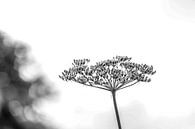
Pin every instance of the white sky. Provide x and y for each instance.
(157, 32)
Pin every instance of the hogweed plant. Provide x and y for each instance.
(110, 75)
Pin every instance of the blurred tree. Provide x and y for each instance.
(110, 75)
(17, 95)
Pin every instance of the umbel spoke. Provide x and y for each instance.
(123, 87)
(99, 87)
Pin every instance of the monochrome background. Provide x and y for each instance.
(156, 32)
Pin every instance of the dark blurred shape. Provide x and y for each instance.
(17, 95)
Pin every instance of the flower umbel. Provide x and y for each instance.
(111, 74)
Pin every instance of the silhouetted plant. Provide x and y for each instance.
(110, 75)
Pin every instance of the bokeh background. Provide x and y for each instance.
(20, 97)
(157, 32)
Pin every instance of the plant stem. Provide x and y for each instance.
(116, 109)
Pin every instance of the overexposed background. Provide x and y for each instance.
(157, 32)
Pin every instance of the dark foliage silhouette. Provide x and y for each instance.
(17, 95)
(110, 75)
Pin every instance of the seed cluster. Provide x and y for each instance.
(111, 74)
